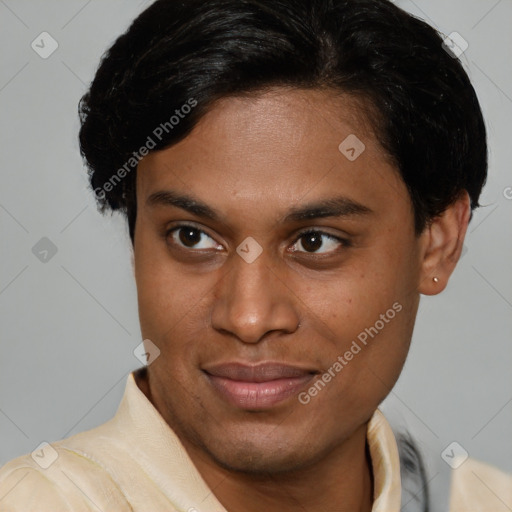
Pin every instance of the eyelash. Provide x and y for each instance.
(342, 241)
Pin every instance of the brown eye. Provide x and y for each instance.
(190, 237)
(313, 240)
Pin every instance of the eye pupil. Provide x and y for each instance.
(189, 236)
(313, 241)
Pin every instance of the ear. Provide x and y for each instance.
(442, 243)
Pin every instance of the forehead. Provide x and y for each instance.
(276, 146)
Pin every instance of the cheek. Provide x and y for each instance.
(381, 345)
(165, 295)
(356, 297)
(366, 314)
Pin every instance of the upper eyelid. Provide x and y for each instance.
(318, 230)
(188, 225)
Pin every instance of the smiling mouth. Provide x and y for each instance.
(257, 387)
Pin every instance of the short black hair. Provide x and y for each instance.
(179, 56)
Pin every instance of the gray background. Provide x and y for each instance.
(69, 325)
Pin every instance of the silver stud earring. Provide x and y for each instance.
(435, 279)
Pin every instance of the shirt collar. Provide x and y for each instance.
(385, 464)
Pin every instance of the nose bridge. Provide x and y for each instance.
(252, 300)
(252, 283)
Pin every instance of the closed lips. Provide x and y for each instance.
(257, 373)
(257, 387)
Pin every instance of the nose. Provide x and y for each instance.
(252, 300)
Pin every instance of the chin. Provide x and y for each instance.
(268, 452)
(257, 461)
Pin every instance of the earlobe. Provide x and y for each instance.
(442, 243)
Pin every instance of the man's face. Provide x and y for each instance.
(236, 374)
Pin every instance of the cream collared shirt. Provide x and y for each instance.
(136, 463)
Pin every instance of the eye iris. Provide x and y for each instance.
(189, 236)
(312, 241)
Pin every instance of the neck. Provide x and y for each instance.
(340, 482)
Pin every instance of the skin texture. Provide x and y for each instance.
(252, 159)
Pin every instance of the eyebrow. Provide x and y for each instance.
(339, 206)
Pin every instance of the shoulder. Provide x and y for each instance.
(480, 487)
(23, 487)
(59, 476)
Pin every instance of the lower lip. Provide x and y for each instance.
(258, 395)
